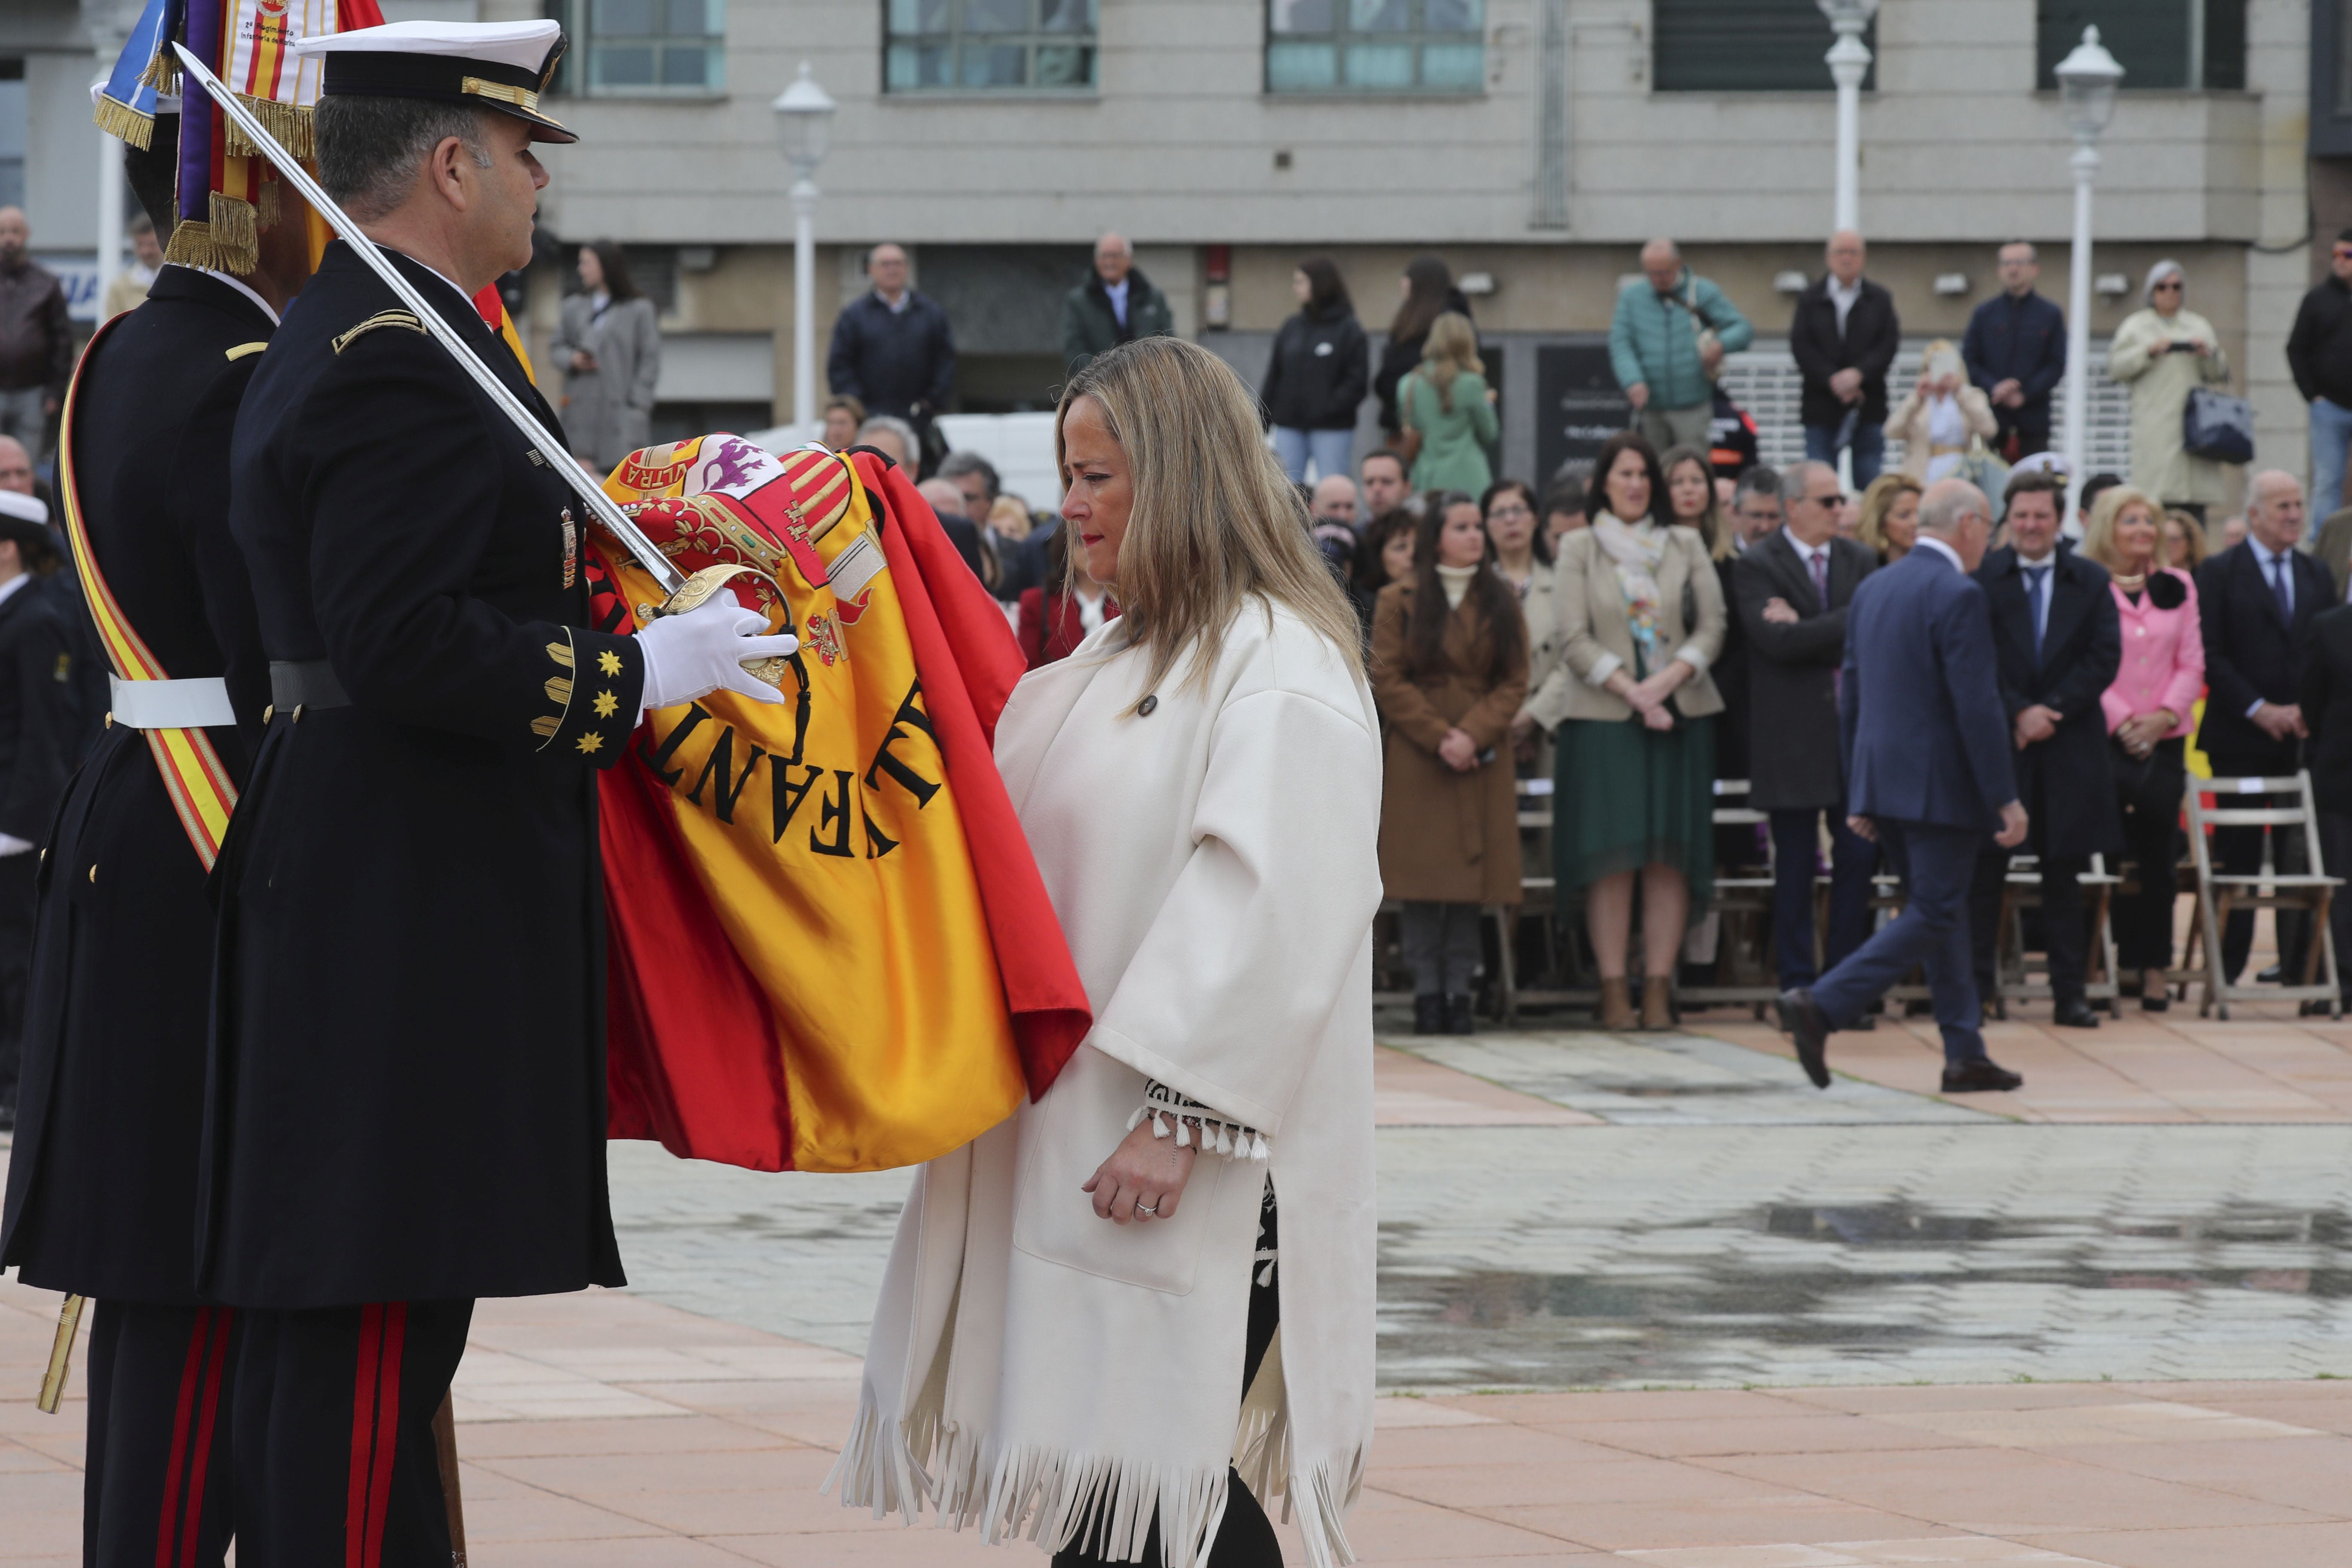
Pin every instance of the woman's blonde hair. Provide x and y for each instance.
(2099, 534)
(1215, 520)
(1452, 348)
(2200, 544)
(1870, 523)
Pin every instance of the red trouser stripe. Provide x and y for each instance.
(375, 1432)
(165, 1533)
(224, 1319)
(364, 1424)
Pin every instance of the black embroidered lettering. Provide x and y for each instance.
(877, 843)
(655, 758)
(723, 763)
(887, 762)
(788, 796)
(833, 811)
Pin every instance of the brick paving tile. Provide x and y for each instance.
(2269, 1546)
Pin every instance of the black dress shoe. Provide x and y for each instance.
(1803, 1020)
(1458, 1020)
(2075, 1013)
(2156, 1000)
(1971, 1078)
(2315, 1008)
(2275, 974)
(1428, 1015)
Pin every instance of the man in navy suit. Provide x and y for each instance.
(2255, 602)
(1928, 774)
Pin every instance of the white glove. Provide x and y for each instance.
(695, 653)
(12, 844)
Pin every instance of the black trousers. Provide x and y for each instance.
(159, 1477)
(17, 874)
(1245, 1538)
(335, 1457)
(2335, 853)
(2149, 793)
(2238, 852)
(2063, 932)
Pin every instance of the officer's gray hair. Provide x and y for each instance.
(369, 148)
(908, 441)
(1798, 474)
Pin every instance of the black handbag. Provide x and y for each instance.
(2216, 427)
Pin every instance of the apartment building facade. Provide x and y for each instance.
(1534, 144)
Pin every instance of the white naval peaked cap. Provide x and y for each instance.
(500, 66)
(24, 508)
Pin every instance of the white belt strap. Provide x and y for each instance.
(194, 704)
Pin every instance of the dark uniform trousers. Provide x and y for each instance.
(334, 1447)
(157, 1489)
(17, 874)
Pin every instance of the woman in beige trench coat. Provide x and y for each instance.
(2163, 354)
(1449, 671)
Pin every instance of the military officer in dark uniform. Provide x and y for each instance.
(37, 713)
(405, 1106)
(101, 1185)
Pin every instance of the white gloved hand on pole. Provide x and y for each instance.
(695, 653)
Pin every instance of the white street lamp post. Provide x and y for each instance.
(2087, 87)
(1849, 62)
(804, 124)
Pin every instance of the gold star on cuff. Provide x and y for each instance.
(609, 662)
(592, 742)
(605, 704)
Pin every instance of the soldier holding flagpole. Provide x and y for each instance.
(405, 1106)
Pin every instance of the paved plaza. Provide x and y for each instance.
(1643, 1299)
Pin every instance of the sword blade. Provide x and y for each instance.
(567, 467)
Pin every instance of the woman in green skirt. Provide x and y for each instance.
(1642, 618)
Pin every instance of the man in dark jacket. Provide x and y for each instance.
(36, 724)
(892, 349)
(2320, 352)
(2016, 350)
(36, 340)
(1317, 377)
(2057, 641)
(2256, 603)
(2327, 703)
(1792, 589)
(1843, 336)
(1116, 304)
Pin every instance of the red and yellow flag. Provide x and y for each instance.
(830, 949)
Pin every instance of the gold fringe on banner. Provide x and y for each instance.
(265, 207)
(163, 73)
(289, 122)
(121, 121)
(229, 242)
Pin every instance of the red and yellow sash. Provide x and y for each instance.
(193, 775)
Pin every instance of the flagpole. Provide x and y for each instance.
(559, 456)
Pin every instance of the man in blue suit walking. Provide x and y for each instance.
(1929, 775)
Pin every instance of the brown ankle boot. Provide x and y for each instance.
(1616, 1004)
(1657, 1002)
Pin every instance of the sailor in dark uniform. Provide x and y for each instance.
(101, 1183)
(37, 712)
(405, 1108)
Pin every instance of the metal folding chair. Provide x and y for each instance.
(2221, 893)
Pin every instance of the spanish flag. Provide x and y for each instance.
(830, 949)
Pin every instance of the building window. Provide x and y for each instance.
(2170, 44)
(990, 45)
(626, 47)
(1744, 45)
(12, 131)
(1375, 46)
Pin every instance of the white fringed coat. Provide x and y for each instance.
(1213, 864)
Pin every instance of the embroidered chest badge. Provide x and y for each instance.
(570, 549)
(825, 636)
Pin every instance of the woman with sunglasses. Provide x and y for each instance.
(2162, 352)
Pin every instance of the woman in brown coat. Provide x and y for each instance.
(1449, 670)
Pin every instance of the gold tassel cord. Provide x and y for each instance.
(289, 123)
(126, 123)
(266, 210)
(229, 242)
(163, 73)
(53, 1381)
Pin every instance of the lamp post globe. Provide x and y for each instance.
(1849, 62)
(805, 129)
(2087, 79)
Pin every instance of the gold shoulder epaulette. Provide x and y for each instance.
(242, 349)
(380, 319)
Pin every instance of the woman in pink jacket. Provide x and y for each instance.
(2157, 683)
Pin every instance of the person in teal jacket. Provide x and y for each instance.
(1444, 398)
(1654, 346)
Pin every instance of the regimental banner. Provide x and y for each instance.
(805, 963)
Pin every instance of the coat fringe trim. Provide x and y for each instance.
(1054, 1497)
(1213, 1133)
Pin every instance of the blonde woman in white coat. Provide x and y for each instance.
(1078, 1298)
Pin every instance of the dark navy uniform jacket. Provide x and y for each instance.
(406, 1096)
(101, 1183)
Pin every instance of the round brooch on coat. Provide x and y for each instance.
(1143, 708)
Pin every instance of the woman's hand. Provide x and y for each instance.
(1144, 1178)
(582, 361)
(1654, 691)
(1458, 751)
(1523, 725)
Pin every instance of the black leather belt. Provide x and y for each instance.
(304, 683)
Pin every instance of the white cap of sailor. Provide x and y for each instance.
(501, 66)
